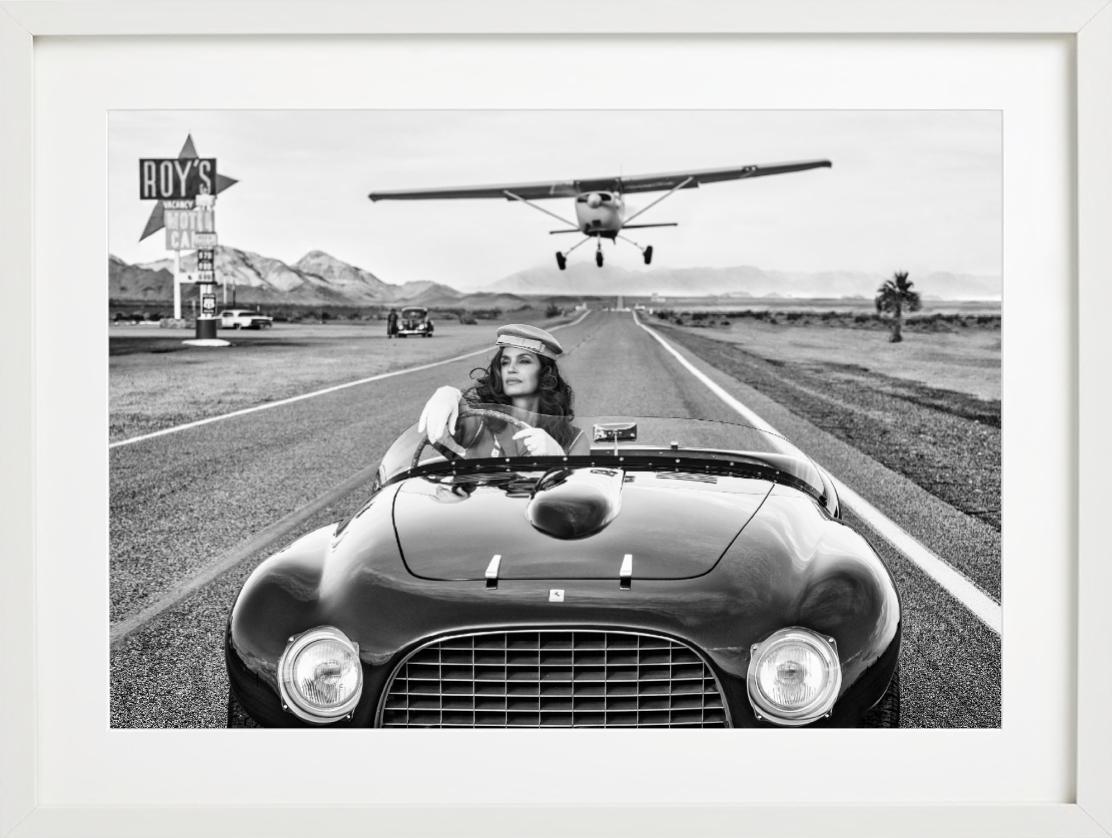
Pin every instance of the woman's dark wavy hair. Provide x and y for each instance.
(556, 397)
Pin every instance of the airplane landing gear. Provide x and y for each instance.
(646, 252)
(598, 257)
(561, 260)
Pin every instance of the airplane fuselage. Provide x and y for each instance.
(600, 213)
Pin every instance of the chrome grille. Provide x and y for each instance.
(554, 679)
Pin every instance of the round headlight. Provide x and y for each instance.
(794, 676)
(319, 675)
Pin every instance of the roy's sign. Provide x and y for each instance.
(174, 179)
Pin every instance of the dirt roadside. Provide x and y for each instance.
(945, 441)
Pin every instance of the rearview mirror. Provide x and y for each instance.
(615, 431)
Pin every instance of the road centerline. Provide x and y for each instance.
(976, 601)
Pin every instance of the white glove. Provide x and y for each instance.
(538, 443)
(438, 419)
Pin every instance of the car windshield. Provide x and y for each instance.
(485, 434)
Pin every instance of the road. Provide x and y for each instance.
(193, 512)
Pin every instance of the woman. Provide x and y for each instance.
(523, 375)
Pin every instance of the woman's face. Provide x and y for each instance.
(521, 372)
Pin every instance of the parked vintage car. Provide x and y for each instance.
(685, 573)
(244, 318)
(414, 320)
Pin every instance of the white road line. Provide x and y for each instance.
(314, 394)
(982, 606)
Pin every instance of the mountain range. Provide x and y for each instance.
(740, 281)
(318, 278)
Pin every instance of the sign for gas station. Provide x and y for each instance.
(185, 189)
(206, 265)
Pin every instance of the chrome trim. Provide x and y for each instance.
(491, 573)
(625, 572)
(573, 627)
(295, 645)
(798, 717)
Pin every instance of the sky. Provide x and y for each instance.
(909, 190)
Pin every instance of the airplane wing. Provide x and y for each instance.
(697, 177)
(529, 191)
(624, 184)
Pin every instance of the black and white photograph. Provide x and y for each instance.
(554, 418)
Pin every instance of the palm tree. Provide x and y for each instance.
(893, 297)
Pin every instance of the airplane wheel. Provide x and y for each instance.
(561, 260)
(648, 255)
(598, 258)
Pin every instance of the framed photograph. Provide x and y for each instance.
(876, 328)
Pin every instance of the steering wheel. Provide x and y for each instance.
(482, 412)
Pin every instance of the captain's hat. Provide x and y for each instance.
(530, 338)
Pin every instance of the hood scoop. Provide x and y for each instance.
(570, 504)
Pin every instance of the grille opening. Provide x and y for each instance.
(554, 678)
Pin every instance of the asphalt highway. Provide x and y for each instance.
(193, 512)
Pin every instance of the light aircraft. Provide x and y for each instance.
(600, 211)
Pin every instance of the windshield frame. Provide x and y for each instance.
(783, 463)
(781, 469)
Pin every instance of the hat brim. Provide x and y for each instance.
(537, 347)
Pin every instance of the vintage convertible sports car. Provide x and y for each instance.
(685, 573)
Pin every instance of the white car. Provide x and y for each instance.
(243, 318)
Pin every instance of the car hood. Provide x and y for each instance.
(572, 523)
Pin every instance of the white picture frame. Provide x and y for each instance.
(1088, 22)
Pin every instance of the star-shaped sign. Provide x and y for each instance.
(157, 220)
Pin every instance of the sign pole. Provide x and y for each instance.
(177, 285)
(205, 256)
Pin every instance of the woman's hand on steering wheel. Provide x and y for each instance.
(447, 446)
